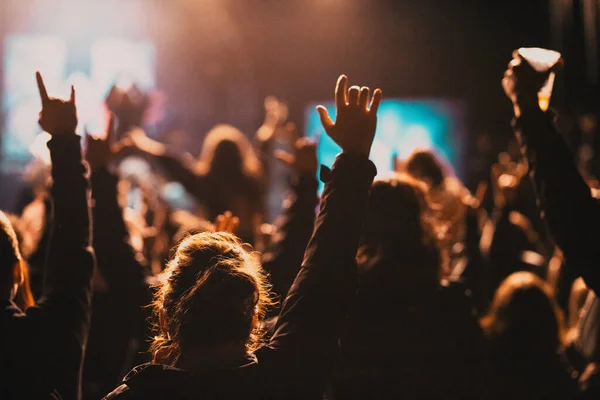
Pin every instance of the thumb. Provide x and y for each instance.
(325, 119)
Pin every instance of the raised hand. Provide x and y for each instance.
(304, 156)
(355, 123)
(276, 113)
(58, 117)
(226, 222)
(521, 83)
(129, 107)
(99, 152)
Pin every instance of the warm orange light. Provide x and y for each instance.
(544, 102)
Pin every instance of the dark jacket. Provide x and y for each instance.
(571, 213)
(298, 359)
(42, 348)
(526, 373)
(118, 320)
(283, 258)
(406, 342)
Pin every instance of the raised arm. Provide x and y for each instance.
(284, 257)
(307, 332)
(117, 260)
(63, 312)
(570, 212)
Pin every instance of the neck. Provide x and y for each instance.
(204, 358)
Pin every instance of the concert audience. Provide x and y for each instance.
(406, 322)
(213, 296)
(403, 287)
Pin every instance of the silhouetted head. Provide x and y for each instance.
(424, 165)
(11, 271)
(524, 315)
(213, 293)
(227, 151)
(396, 226)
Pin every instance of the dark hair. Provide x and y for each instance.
(524, 314)
(227, 149)
(397, 226)
(209, 294)
(424, 164)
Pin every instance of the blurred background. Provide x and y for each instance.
(210, 61)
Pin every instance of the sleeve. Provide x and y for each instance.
(284, 257)
(66, 298)
(570, 212)
(117, 260)
(55, 330)
(309, 325)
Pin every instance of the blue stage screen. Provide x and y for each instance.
(109, 60)
(403, 125)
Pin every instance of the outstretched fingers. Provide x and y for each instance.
(226, 222)
(364, 97)
(234, 223)
(340, 91)
(42, 88)
(353, 94)
(377, 94)
(325, 119)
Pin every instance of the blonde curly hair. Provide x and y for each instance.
(213, 291)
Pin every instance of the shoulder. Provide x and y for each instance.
(123, 392)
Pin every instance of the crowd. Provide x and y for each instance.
(399, 288)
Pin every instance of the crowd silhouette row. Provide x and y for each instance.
(403, 287)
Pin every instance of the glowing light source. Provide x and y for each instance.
(542, 60)
(403, 126)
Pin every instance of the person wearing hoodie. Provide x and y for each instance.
(213, 294)
(42, 347)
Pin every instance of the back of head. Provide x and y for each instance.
(524, 316)
(424, 165)
(10, 257)
(396, 228)
(227, 157)
(226, 150)
(211, 293)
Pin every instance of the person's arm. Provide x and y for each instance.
(570, 212)
(310, 321)
(117, 261)
(179, 168)
(70, 260)
(62, 316)
(284, 257)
